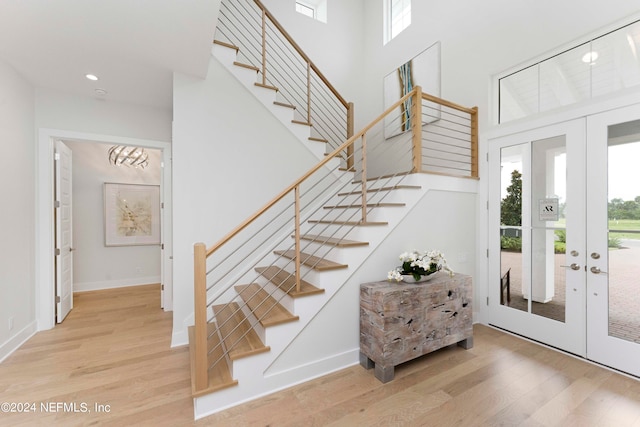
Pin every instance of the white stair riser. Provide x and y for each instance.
(224, 54)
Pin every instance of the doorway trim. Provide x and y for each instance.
(45, 224)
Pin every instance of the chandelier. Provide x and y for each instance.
(129, 156)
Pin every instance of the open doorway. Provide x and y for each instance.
(111, 272)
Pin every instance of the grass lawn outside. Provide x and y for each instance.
(625, 228)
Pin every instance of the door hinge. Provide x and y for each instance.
(57, 299)
(487, 300)
(487, 156)
(57, 251)
(56, 156)
(487, 205)
(487, 253)
(162, 246)
(162, 287)
(162, 205)
(56, 204)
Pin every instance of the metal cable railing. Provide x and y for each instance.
(298, 221)
(263, 43)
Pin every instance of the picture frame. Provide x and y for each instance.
(421, 70)
(131, 214)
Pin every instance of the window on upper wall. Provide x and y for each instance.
(316, 9)
(397, 17)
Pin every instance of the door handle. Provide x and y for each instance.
(596, 270)
(573, 266)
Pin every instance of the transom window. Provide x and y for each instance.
(306, 10)
(316, 9)
(397, 16)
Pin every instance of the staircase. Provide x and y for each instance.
(260, 286)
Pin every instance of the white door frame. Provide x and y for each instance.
(565, 335)
(45, 224)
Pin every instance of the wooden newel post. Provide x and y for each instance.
(474, 143)
(416, 129)
(200, 314)
(350, 130)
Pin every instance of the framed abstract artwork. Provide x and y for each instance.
(131, 214)
(422, 70)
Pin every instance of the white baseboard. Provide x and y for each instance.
(179, 339)
(282, 380)
(112, 284)
(14, 343)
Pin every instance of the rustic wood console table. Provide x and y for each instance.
(401, 321)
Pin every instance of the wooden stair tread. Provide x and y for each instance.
(247, 66)
(220, 373)
(287, 282)
(395, 175)
(267, 310)
(301, 123)
(314, 262)
(266, 86)
(354, 223)
(313, 138)
(333, 241)
(283, 104)
(225, 44)
(373, 190)
(241, 339)
(369, 205)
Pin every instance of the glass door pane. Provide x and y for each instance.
(548, 227)
(613, 239)
(536, 206)
(623, 231)
(512, 284)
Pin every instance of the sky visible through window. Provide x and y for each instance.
(400, 16)
(305, 10)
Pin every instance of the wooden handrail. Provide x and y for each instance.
(449, 104)
(301, 53)
(304, 177)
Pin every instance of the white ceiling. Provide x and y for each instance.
(133, 46)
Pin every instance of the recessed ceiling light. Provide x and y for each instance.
(590, 57)
(100, 92)
(91, 77)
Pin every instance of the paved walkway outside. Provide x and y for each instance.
(624, 287)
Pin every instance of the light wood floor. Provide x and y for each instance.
(113, 349)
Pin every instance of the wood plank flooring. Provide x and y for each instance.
(113, 349)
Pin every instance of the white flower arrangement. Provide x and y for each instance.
(418, 264)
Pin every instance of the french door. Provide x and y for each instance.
(564, 218)
(613, 239)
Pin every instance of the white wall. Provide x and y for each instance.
(58, 110)
(17, 192)
(96, 266)
(230, 157)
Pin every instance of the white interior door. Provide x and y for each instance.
(537, 243)
(613, 239)
(64, 231)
